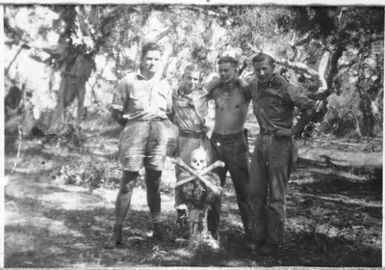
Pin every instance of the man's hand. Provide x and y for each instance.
(283, 132)
(243, 82)
(115, 107)
(118, 117)
(214, 83)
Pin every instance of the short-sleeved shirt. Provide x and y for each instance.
(189, 110)
(143, 142)
(189, 113)
(142, 99)
(274, 102)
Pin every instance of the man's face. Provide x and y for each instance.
(227, 72)
(190, 80)
(264, 71)
(150, 62)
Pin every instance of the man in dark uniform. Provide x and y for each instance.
(274, 100)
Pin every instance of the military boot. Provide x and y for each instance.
(268, 249)
(116, 237)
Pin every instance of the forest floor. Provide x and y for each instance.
(59, 205)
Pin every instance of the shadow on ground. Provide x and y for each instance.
(334, 217)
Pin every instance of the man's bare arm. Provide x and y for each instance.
(209, 87)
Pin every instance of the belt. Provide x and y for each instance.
(194, 134)
(224, 137)
(266, 133)
(151, 120)
(272, 134)
(156, 120)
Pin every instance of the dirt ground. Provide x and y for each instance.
(59, 203)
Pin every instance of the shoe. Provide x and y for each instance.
(267, 249)
(251, 246)
(212, 243)
(116, 237)
(250, 243)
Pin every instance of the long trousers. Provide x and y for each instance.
(233, 150)
(269, 173)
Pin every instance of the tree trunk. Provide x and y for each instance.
(328, 71)
(365, 105)
(368, 119)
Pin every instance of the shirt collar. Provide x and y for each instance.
(276, 82)
(182, 93)
(140, 76)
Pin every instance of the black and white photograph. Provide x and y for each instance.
(192, 135)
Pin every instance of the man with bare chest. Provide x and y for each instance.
(229, 140)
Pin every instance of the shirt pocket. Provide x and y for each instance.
(182, 103)
(275, 97)
(162, 93)
(139, 95)
(274, 103)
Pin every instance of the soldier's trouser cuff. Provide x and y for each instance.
(155, 217)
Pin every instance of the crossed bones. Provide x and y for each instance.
(179, 162)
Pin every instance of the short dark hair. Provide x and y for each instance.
(228, 59)
(150, 46)
(262, 57)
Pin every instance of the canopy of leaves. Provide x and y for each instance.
(327, 40)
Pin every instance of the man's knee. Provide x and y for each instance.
(128, 181)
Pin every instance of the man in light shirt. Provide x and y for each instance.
(189, 112)
(141, 104)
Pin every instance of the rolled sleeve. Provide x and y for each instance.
(201, 106)
(120, 96)
(301, 101)
(169, 110)
(209, 87)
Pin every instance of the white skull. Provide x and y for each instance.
(198, 159)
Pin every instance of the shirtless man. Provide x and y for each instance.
(229, 140)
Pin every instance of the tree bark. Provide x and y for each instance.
(368, 118)
(78, 67)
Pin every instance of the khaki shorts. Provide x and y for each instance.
(143, 143)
